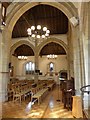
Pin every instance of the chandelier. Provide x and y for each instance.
(22, 57)
(51, 56)
(38, 32)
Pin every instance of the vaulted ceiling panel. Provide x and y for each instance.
(23, 50)
(52, 48)
(45, 15)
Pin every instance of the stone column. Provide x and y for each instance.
(0, 77)
(68, 63)
(88, 43)
(83, 39)
(0, 64)
(36, 60)
(4, 62)
(77, 62)
(70, 53)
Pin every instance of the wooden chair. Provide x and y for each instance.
(10, 91)
(17, 93)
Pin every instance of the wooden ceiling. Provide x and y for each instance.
(23, 50)
(52, 48)
(45, 15)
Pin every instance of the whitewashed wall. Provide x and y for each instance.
(59, 64)
(62, 37)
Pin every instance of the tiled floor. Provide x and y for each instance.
(49, 108)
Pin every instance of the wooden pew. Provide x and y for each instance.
(39, 95)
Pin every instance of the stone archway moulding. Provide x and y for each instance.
(55, 40)
(17, 44)
(20, 8)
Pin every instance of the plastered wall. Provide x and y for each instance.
(59, 64)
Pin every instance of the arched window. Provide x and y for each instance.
(30, 67)
(51, 66)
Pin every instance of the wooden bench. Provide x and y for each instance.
(50, 86)
(40, 94)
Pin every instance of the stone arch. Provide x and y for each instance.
(55, 40)
(20, 8)
(17, 44)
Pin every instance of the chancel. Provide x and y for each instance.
(44, 60)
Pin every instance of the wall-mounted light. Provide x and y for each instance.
(51, 56)
(22, 57)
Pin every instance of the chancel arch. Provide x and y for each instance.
(19, 9)
(67, 8)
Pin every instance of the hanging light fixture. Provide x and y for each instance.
(22, 57)
(51, 56)
(38, 32)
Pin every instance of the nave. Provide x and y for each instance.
(27, 56)
(49, 108)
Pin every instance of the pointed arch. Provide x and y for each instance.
(17, 44)
(55, 40)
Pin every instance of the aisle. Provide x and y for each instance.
(56, 109)
(49, 108)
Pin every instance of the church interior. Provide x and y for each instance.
(44, 60)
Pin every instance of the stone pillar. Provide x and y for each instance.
(83, 40)
(68, 67)
(0, 77)
(70, 54)
(0, 64)
(84, 12)
(88, 61)
(88, 43)
(36, 60)
(77, 62)
(4, 62)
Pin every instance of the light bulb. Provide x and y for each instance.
(38, 36)
(44, 28)
(55, 56)
(22, 57)
(28, 30)
(48, 31)
(43, 36)
(50, 56)
(38, 27)
(32, 27)
(46, 34)
(47, 56)
(33, 35)
(29, 33)
(19, 57)
(25, 57)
